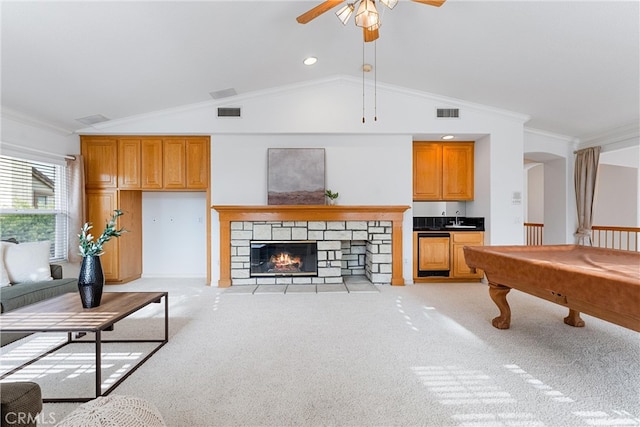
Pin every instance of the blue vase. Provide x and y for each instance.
(91, 281)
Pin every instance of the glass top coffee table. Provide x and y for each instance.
(65, 314)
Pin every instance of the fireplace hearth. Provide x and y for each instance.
(283, 258)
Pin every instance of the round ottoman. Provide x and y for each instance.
(114, 411)
(21, 403)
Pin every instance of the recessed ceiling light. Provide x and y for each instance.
(310, 60)
(447, 137)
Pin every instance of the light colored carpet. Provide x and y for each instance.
(420, 355)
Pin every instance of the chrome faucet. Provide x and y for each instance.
(457, 222)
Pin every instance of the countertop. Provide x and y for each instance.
(448, 223)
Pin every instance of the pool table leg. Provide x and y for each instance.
(498, 294)
(574, 319)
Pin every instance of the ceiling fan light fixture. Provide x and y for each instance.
(345, 13)
(389, 3)
(367, 15)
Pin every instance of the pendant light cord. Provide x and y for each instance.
(363, 81)
(375, 81)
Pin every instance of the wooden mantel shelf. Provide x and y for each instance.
(229, 213)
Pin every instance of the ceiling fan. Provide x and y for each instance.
(366, 14)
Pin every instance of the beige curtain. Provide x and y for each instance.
(585, 174)
(77, 209)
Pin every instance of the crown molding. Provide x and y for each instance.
(19, 117)
(614, 139)
(564, 138)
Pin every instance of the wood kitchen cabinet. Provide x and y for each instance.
(100, 161)
(122, 258)
(460, 269)
(427, 171)
(444, 253)
(443, 171)
(431, 254)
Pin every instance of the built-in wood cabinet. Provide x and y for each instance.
(146, 163)
(129, 163)
(186, 163)
(101, 162)
(427, 171)
(118, 169)
(433, 253)
(460, 269)
(443, 171)
(445, 253)
(122, 258)
(174, 164)
(151, 171)
(197, 161)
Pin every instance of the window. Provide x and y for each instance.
(33, 203)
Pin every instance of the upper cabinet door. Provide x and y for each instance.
(174, 163)
(151, 149)
(100, 161)
(427, 171)
(457, 171)
(129, 164)
(197, 159)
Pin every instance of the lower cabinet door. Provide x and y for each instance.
(434, 253)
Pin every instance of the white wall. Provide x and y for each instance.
(174, 234)
(615, 197)
(625, 152)
(364, 169)
(535, 193)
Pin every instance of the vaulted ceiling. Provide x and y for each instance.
(572, 66)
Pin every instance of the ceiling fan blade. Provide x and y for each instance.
(370, 35)
(318, 10)
(436, 3)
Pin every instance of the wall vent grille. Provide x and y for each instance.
(448, 113)
(229, 112)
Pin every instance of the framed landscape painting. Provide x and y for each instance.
(296, 176)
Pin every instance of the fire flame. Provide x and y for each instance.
(286, 262)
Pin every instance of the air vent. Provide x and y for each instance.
(228, 112)
(448, 113)
(93, 120)
(224, 93)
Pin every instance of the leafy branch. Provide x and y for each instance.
(88, 246)
(331, 194)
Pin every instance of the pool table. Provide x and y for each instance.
(604, 283)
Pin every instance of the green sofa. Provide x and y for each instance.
(19, 295)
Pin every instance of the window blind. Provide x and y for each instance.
(33, 203)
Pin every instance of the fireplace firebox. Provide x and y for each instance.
(283, 258)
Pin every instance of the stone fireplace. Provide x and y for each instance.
(349, 240)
